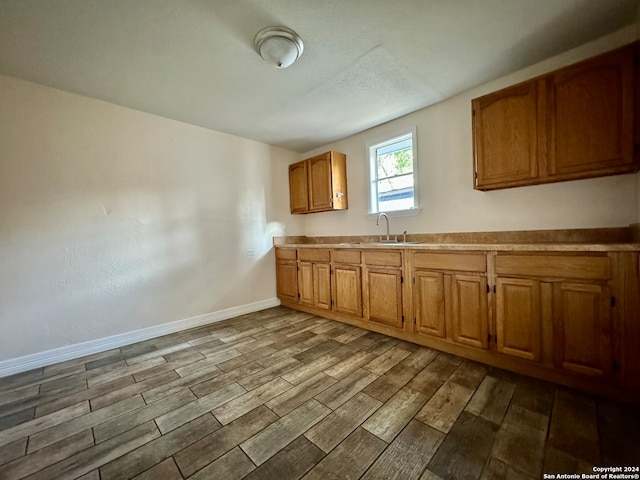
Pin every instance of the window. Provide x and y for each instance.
(393, 174)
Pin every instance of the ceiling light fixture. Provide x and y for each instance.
(278, 46)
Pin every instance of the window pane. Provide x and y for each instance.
(395, 193)
(393, 163)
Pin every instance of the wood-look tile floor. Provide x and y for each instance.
(280, 394)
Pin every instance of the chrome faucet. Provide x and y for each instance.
(382, 214)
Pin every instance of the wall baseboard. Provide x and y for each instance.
(56, 355)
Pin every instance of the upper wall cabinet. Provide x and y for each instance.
(319, 184)
(576, 122)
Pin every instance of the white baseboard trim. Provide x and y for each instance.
(56, 355)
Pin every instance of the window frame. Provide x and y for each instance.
(372, 172)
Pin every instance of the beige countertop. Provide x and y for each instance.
(514, 247)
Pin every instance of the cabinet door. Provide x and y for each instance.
(429, 303)
(591, 116)
(582, 328)
(384, 296)
(322, 285)
(468, 316)
(505, 136)
(305, 283)
(320, 196)
(287, 280)
(347, 290)
(298, 195)
(518, 318)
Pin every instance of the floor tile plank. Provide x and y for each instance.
(574, 426)
(444, 407)
(153, 452)
(392, 417)
(269, 441)
(408, 455)
(95, 457)
(346, 388)
(350, 459)
(340, 423)
(179, 416)
(211, 447)
(464, 451)
(296, 396)
(290, 463)
(247, 402)
(42, 439)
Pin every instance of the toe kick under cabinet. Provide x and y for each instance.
(570, 317)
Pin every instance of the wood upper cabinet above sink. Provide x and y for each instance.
(580, 121)
(319, 184)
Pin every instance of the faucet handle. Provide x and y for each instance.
(404, 236)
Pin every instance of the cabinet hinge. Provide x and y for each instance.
(494, 289)
(401, 279)
(414, 280)
(613, 302)
(415, 320)
(473, 112)
(403, 320)
(489, 337)
(488, 288)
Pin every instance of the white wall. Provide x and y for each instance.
(113, 220)
(449, 203)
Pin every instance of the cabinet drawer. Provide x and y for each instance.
(314, 254)
(451, 261)
(286, 253)
(588, 268)
(345, 256)
(392, 259)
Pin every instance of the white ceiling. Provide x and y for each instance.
(365, 62)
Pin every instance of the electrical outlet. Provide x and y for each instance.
(250, 252)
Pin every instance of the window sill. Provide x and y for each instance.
(411, 212)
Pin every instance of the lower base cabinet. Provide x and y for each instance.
(567, 317)
(468, 322)
(582, 329)
(519, 318)
(383, 296)
(347, 290)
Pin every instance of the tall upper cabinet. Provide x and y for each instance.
(319, 184)
(578, 122)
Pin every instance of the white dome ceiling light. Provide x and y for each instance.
(278, 46)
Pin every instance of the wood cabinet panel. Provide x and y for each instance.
(565, 266)
(390, 259)
(582, 328)
(429, 303)
(347, 290)
(319, 184)
(322, 285)
(314, 255)
(591, 119)
(305, 283)
(580, 121)
(383, 287)
(505, 134)
(320, 195)
(286, 253)
(468, 320)
(451, 261)
(298, 187)
(519, 318)
(287, 280)
(345, 256)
